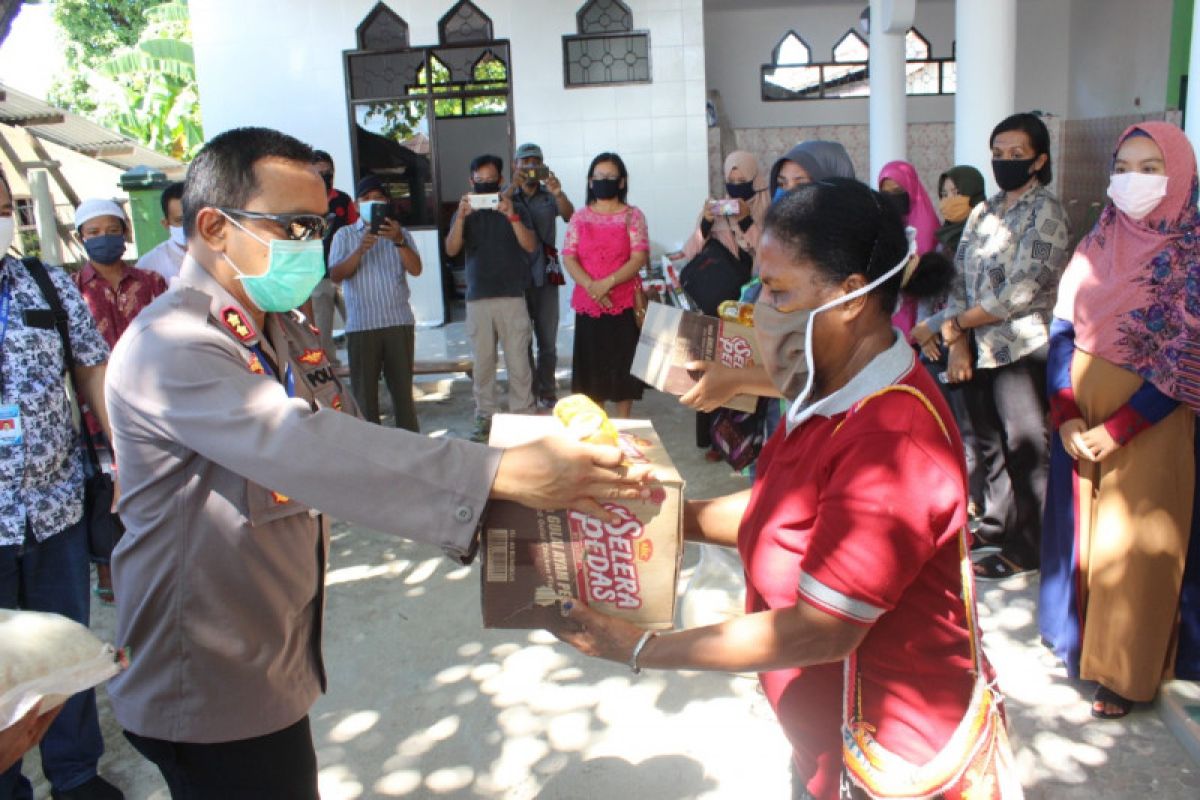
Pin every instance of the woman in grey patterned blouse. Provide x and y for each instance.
(997, 324)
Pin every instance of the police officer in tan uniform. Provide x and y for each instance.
(228, 423)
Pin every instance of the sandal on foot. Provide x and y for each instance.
(996, 567)
(104, 594)
(1107, 697)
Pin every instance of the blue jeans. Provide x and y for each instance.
(53, 576)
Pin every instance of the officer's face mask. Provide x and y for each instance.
(785, 337)
(294, 269)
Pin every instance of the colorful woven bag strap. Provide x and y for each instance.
(967, 573)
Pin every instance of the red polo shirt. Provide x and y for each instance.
(858, 515)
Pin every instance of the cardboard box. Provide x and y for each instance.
(671, 337)
(533, 559)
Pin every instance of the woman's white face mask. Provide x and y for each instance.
(1137, 193)
(785, 337)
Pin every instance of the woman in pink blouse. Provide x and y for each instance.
(605, 247)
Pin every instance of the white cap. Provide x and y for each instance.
(98, 207)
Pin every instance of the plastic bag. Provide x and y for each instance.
(47, 658)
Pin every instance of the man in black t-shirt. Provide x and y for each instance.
(497, 240)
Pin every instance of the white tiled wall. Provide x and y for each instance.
(257, 66)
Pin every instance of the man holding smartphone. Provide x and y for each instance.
(372, 260)
(495, 237)
(542, 195)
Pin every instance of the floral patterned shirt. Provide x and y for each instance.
(41, 479)
(1009, 263)
(113, 309)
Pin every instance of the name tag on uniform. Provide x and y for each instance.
(10, 425)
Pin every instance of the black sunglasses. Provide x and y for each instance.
(301, 227)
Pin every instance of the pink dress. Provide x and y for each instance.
(602, 243)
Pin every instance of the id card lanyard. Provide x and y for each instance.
(5, 305)
(10, 413)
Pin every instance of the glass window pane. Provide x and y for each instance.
(849, 80)
(392, 140)
(851, 47)
(915, 46)
(921, 77)
(791, 83)
(949, 77)
(792, 50)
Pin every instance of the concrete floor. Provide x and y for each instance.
(424, 703)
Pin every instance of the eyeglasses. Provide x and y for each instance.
(301, 227)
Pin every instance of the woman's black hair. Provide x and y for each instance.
(611, 158)
(844, 228)
(1033, 127)
(931, 278)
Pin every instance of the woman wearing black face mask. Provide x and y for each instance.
(1013, 249)
(723, 247)
(605, 247)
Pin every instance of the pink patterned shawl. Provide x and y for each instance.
(1132, 289)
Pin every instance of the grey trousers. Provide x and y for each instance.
(543, 313)
(390, 351)
(325, 299)
(503, 321)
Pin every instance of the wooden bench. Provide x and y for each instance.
(450, 365)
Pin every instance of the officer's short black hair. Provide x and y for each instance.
(222, 174)
(322, 157)
(174, 191)
(484, 160)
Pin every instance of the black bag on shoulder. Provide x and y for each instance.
(104, 528)
(713, 276)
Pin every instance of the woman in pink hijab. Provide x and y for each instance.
(899, 183)
(1120, 588)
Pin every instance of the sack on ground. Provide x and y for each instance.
(46, 658)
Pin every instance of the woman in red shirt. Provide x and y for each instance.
(853, 534)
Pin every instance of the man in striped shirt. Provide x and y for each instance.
(373, 269)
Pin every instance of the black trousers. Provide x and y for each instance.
(278, 766)
(1008, 410)
(389, 351)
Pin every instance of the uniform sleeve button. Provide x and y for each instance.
(463, 513)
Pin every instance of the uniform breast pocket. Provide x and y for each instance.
(266, 505)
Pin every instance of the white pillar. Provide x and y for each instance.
(1193, 93)
(888, 100)
(986, 50)
(43, 212)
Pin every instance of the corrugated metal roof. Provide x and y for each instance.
(76, 133)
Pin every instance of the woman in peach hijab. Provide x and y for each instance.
(739, 231)
(745, 186)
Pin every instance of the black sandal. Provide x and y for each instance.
(996, 567)
(1105, 696)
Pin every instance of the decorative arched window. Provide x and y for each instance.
(382, 29)
(792, 75)
(916, 46)
(606, 49)
(852, 47)
(791, 50)
(465, 24)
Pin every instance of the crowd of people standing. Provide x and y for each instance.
(952, 398)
